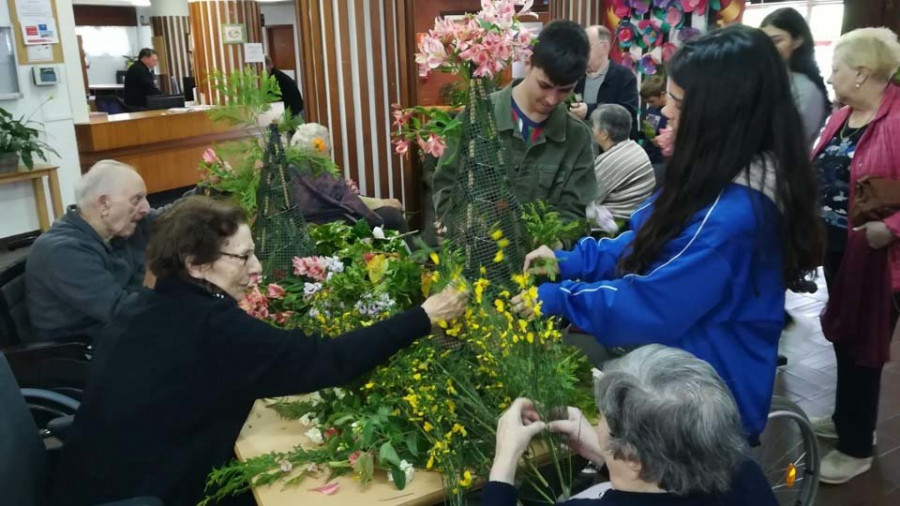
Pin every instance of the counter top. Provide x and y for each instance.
(131, 116)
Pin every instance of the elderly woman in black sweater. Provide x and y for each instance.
(166, 401)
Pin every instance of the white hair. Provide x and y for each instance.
(876, 49)
(103, 178)
(306, 135)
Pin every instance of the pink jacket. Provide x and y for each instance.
(877, 155)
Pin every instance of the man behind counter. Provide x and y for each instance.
(139, 79)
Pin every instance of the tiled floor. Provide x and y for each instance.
(809, 380)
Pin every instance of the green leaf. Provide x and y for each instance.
(412, 443)
(388, 455)
(399, 477)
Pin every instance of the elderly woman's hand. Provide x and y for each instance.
(582, 435)
(878, 235)
(446, 305)
(515, 429)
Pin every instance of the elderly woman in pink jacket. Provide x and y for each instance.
(860, 142)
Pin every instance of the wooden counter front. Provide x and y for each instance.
(165, 147)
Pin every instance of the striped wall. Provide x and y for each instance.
(583, 12)
(357, 58)
(176, 32)
(210, 53)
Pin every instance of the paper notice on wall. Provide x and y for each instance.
(37, 22)
(40, 52)
(253, 52)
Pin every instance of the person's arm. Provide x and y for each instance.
(602, 172)
(77, 275)
(592, 259)
(638, 309)
(580, 187)
(811, 106)
(147, 83)
(274, 362)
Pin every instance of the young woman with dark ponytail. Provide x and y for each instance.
(708, 259)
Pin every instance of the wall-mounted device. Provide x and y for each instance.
(45, 76)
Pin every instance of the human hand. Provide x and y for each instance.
(579, 109)
(582, 436)
(515, 429)
(446, 305)
(520, 307)
(878, 235)
(541, 261)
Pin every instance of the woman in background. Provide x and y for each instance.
(790, 33)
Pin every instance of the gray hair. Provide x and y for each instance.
(671, 412)
(876, 49)
(103, 178)
(602, 32)
(613, 118)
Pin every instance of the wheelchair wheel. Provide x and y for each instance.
(789, 454)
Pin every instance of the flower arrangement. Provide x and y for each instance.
(481, 46)
(434, 406)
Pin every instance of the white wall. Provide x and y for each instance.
(66, 106)
(165, 8)
(283, 14)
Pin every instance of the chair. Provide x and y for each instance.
(59, 365)
(25, 466)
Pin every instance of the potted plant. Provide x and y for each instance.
(19, 141)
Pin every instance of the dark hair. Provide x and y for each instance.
(737, 110)
(653, 86)
(194, 227)
(145, 52)
(803, 58)
(562, 52)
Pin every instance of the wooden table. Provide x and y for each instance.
(36, 176)
(165, 147)
(265, 431)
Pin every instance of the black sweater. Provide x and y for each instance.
(169, 395)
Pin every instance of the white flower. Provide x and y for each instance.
(314, 435)
(286, 466)
(314, 313)
(310, 289)
(315, 398)
(335, 264)
(307, 419)
(339, 393)
(378, 233)
(312, 468)
(355, 428)
(407, 469)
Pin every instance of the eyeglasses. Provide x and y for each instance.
(242, 258)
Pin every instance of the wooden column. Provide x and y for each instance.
(584, 12)
(211, 52)
(176, 33)
(357, 59)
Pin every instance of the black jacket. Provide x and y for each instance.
(290, 94)
(168, 397)
(619, 87)
(139, 84)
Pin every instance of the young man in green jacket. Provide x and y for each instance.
(550, 151)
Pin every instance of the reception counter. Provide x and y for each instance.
(164, 146)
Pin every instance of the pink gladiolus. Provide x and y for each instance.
(330, 432)
(209, 156)
(327, 489)
(275, 291)
(282, 317)
(255, 304)
(431, 55)
(401, 146)
(353, 457)
(312, 267)
(434, 146)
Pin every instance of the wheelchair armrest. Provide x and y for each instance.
(59, 427)
(37, 394)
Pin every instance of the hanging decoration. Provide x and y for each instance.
(648, 32)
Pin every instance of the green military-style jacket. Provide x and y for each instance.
(558, 168)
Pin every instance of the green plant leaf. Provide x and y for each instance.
(388, 455)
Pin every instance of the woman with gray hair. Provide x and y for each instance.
(858, 156)
(669, 433)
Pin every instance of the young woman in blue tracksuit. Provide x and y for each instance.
(709, 256)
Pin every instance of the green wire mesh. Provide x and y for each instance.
(482, 200)
(280, 232)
